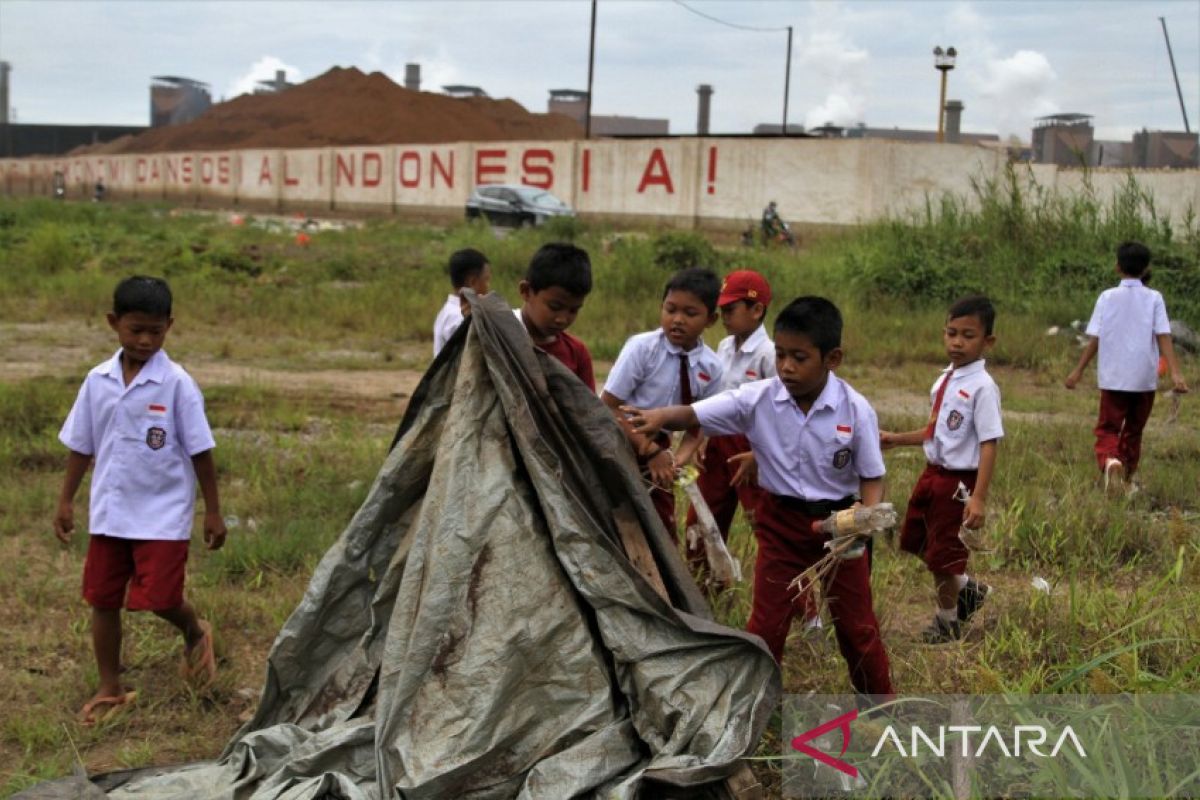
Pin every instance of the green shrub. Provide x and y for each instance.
(676, 250)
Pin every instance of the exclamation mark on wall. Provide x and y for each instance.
(712, 170)
(586, 180)
(320, 169)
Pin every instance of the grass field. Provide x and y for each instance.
(307, 353)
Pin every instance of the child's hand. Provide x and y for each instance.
(888, 440)
(1178, 383)
(64, 522)
(662, 469)
(973, 514)
(745, 470)
(214, 530)
(647, 423)
(1073, 379)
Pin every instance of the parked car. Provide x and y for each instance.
(512, 204)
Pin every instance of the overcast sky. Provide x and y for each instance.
(853, 60)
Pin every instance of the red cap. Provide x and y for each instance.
(744, 284)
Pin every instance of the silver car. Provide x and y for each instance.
(515, 205)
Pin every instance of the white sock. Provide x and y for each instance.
(961, 580)
(947, 614)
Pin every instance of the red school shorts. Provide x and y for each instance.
(934, 518)
(151, 569)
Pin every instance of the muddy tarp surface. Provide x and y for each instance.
(478, 631)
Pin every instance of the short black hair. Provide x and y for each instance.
(977, 306)
(465, 265)
(142, 293)
(560, 264)
(814, 317)
(701, 282)
(1133, 258)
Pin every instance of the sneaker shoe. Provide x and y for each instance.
(942, 632)
(1114, 476)
(970, 598)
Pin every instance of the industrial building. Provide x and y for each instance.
(573, 103)
(274, 86)
(1063, 139)
(1166, 150)
(174, 100)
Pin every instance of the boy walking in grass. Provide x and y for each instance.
(468, 268)
(960, 443)
(141, 418)
(816, 441)
(747, 355)
(1129, 329)
(553, 291)
(668, 366)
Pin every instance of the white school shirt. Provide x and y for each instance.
(819, 456)
(143, 437)
(646, 373)
(447, 322)
(1126, 320)
(753, 361)
(970, 414)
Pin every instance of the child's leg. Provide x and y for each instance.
(106, 643)
(1137, 413)
(1108, 426)
(184, 618)
(850, 606)
(781, 557)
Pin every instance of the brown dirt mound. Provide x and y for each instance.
(348, 107)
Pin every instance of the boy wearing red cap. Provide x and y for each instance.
(747, 354)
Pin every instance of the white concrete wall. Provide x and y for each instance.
(673, 181)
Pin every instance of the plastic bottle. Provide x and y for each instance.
(859, 520)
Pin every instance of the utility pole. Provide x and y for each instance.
(1178, 91)
(587, 124)
(787, 80)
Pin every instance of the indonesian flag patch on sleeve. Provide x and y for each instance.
(704, 376)
(751, 373)
(845, 429)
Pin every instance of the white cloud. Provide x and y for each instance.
(828, 56)
(1018, 89)
(262, 70)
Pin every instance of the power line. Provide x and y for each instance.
(727, 24)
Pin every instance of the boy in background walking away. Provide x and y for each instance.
(141, 417)
(960, 442)
(816, 441)
(1129, 329)
(468, 268)
(668, 366)
(553, 291)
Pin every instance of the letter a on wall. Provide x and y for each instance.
(656, 173)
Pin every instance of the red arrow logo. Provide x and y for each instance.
(842, 722)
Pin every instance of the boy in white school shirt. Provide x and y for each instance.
(468, 268)
(141, 417)
(960, 442)
(667, 366)
(1129, 329)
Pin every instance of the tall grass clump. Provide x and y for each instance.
(1028, 247)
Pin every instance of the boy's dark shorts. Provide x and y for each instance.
(934, 518)
(152, 569)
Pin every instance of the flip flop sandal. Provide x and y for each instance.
(90, 715)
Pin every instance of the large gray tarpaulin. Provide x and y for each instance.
(478, 631)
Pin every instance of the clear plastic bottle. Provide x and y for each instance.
(859, 520)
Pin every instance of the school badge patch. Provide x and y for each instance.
(954, 420)
(841, 458)
(156, 437)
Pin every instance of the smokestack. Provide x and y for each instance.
(280, 80)
(412, 77)
(705, 108)
(954, 109)
(5, 68)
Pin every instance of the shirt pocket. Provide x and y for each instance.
(838, 450)
(156, 442)
(959, 418)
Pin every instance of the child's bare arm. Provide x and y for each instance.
(689, 447)
(64, 517)
(870, 490)
(659, 460)
(1085, 358)
(890, 439)
(974, 514)
(206, 476)
(1167, 347)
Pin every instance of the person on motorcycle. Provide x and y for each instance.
(772, 224)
